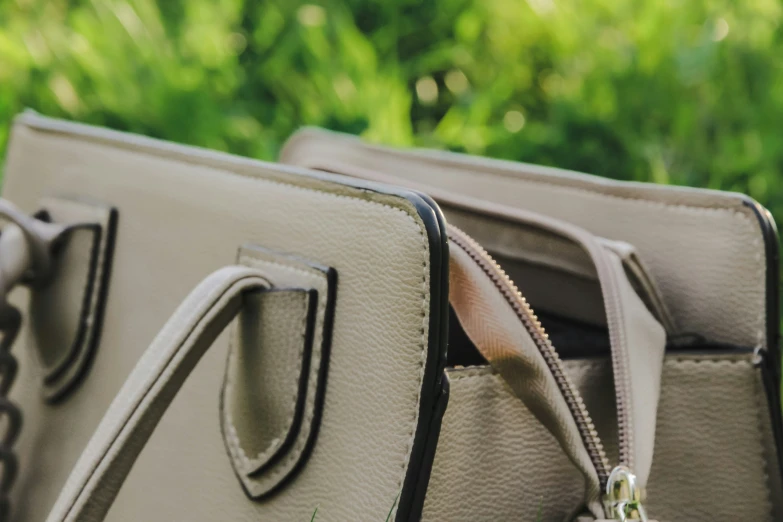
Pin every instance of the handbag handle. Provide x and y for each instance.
(150, 388)
(130, 420)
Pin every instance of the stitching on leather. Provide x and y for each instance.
(227, 164)
(761, 272)
(309, 405)
(669, 206)
(676, 361)
(575, 364)
(469, 373)
(670, 360)
(499, 171)
(477, 376)
(256, 484)
(102, 262)
(180, 156)
(102, 216)
(233, 436)
(257, 261)
(60, 367)
(423, 356)
(160, 371)
(261, 484)
(97, 289)
(446, 163)
(102, 259)
(674, 207)
(761, 408)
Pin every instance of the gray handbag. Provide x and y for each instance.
(343, 336)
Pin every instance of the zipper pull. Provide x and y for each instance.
(624, 497)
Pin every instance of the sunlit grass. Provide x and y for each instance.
(683, 92)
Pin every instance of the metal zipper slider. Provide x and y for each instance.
(624, 497)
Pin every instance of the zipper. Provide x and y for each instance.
(623, 497)
(589, 435)
(623, 500)
(622, 379)
(525, 313)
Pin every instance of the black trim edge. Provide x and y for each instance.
(55, 393)
(320, 393)
(330, 274)
(54, 373)
(771, 357)
(434, 393)
(420, 493)
(769, 232)
(301, 394)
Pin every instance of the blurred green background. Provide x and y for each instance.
(656, 90)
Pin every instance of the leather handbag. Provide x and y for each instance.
(350, 334)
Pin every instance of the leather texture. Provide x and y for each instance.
(555, 273)
(184, 212)
(542, 260)
(262, 391)
(65, 314)
(705, 251)
(273, 390)
(491, 323)
(717, 254)
(637, 339)
(158, 376)
(488, 432)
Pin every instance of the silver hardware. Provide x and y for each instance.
(624, 496)
(758, 356)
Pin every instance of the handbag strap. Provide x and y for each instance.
(149, 390)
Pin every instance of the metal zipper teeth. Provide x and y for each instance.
(625, 433)
(531, 323)
(622, 382)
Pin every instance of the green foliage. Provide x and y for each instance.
(669, 91)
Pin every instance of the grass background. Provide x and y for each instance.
(655, 90)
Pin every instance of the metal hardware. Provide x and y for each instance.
(624, 497)
(758, 356)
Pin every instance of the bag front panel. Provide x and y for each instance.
(182, 216)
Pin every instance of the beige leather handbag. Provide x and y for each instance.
(206, 337)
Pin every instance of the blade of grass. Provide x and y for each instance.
(388, 517)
